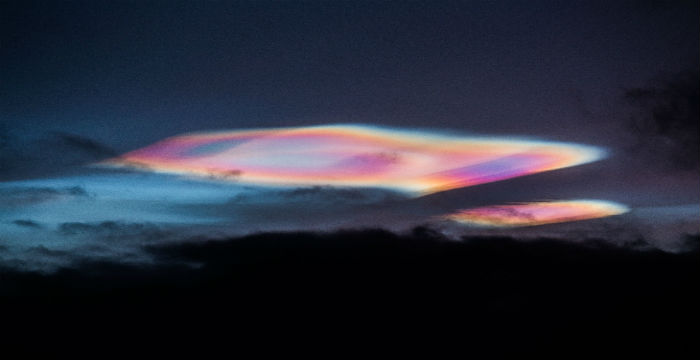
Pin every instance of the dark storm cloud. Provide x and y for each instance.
(494, 290)
(87, 146)
(113, 229)
(18, 196)
(46, 252)
(27, 223)
(328, 194)
(666, 120)
(374, 247)
(691, 242)
(37, 154)
(316, 207)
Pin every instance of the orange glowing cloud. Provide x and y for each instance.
(537, 213)
(415, 162)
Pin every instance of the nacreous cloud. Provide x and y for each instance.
(415, 162)
(537, 213)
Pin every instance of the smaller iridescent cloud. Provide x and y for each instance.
(537, 213)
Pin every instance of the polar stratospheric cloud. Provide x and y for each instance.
(415, 162)
(537, 213)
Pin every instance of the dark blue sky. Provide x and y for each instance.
(130, 73)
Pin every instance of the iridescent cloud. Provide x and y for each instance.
(416, 162)
(537, 213)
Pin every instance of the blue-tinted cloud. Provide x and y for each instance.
(56, 222)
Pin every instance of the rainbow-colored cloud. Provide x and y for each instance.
(537, 213)
(350, 155)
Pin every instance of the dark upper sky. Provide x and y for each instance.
(129, 73)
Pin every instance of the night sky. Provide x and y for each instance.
(350, 151)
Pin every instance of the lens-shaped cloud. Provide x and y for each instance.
(415, 162)
(537, 213)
